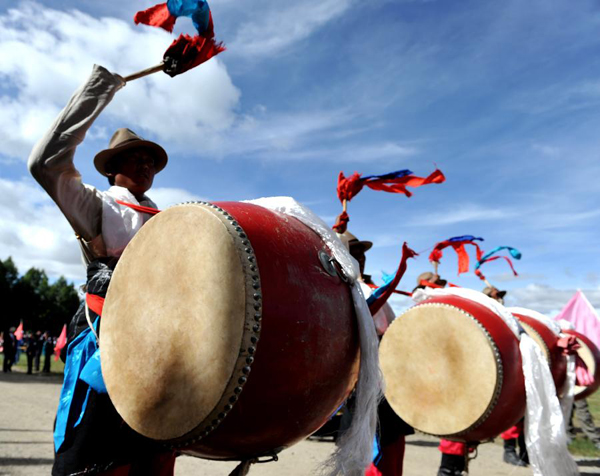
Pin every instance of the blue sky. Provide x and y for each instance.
(502, 96)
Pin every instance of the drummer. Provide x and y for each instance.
(104, 223)
(494, 293)
(392, 429)
(515, 435)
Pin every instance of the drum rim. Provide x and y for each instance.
(546, 349)
(497, 358)
(250, 334)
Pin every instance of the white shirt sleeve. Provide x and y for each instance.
(51, 161)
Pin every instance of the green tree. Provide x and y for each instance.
(32, 299)
(9, 276)
(64, 301)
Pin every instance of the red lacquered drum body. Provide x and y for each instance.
(590, 354)
(289, 361)
(452, 368)
(548, 342)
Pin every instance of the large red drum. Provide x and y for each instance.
(547, 340)
(589, 353)
(452, 368)
(226, 331)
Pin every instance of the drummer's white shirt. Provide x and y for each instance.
(103, 225)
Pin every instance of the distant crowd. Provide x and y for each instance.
(32, 345)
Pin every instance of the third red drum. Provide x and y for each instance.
(547, 340)
(453, 369)
(590, 355)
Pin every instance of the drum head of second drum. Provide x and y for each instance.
(441, 369)
(173, 321)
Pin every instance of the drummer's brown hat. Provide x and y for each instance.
(125, 139)
(351, 241)
(432, 278)
(488, 290)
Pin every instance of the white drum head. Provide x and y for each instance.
(173, 321)
(440, 368)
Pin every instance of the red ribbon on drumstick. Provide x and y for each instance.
(393, 182)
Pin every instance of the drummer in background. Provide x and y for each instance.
(101, 443)
(494, 293)
(515, 435)
(392, 429)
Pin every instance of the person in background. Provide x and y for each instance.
(392, 429)
(31, 343)
(38, 351)
(514, 437)
(9, 349)
(47, 350)
(586, 422)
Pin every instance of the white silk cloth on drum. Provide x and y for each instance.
(545, 435)
(355, 448)
(568, 396)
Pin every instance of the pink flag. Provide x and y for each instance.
(60, 343)
(583, 316)
(19, 332)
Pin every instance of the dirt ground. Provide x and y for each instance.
(28, 405)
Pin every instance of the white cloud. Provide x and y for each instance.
(166, 197)
(284, 24)
(547, 150)
(34, 232)
(462, 214)
(46, 54)
(547, 299)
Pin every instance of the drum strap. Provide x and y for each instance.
(139, 208)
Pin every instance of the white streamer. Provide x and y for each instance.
(355, 448)
(545, 434)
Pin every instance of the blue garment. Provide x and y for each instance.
(82, 374)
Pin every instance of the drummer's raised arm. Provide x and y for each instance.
(51, 161)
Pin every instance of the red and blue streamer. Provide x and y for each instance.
(458, 244)
(393, 182)
(186, 52)
(492, 256)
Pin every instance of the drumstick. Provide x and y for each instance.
(145, 72)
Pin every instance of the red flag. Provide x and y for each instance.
(19, 332)
(60, 343)
(394, 182)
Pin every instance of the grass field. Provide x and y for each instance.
(581, 445)
(56, 367)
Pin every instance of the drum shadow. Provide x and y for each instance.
(24, 430)
(25, 461)
(22, 377)
(423, 443)
(49, 442)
